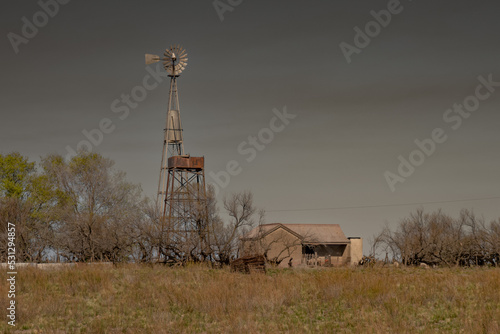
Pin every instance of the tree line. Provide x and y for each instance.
(439, 239)
(84, 210)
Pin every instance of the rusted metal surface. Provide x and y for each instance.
(186, 162)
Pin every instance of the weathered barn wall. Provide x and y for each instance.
(279, 245)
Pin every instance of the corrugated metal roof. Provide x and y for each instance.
(312, 233)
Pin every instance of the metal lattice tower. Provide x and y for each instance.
(181, 200)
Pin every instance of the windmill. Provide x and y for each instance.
(181, 196)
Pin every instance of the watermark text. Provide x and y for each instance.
(30, 28)
(11, 273)
(223, 6)
(454, 118)
(250, 147)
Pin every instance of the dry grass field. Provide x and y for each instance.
(195, 299)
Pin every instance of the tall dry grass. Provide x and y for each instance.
(145, 299)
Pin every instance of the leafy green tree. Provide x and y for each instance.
(15, 172)
(26, 200)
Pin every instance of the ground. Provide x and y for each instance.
(194, 299)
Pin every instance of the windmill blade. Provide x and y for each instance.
(173, 67)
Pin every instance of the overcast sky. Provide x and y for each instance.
(358, 104)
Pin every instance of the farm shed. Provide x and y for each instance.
(302, 244)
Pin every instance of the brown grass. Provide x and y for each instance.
(145, 299)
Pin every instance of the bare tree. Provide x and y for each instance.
(279, 246)
(493, 240)
(438, 239)
(225, 236)
(146, 233)
(100, 208)
(196, 232)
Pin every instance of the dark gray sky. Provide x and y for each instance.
(353, 120)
